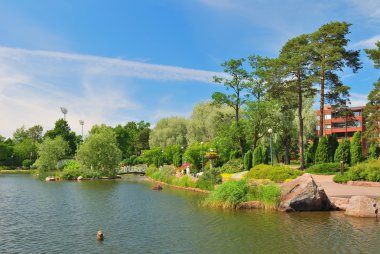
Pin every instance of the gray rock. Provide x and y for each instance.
(362, 206)
(80, 178)
(50, 179)
(303, 194)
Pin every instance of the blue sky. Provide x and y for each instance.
(118, 61)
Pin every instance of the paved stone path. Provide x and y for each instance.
(343, 190)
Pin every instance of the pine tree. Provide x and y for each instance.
(342, 153)
(333, 145)
(322, 153)
(356, 148)
(248, 160)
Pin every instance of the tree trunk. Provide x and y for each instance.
(287, 150)
(241, 141)
(300, 134)
(322, 103)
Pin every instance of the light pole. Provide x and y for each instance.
(181, 155)
(202, 154)
(81, 122)
(270, 140)
(64, 111)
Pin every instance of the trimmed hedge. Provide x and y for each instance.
(325, 168)
(277, 174)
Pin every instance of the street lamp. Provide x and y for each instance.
(202, 154)
(181, 155)
(270, 140)
(81, 122)
(64, 111)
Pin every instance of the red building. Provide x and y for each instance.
(333, 123)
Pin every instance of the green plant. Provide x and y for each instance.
(209, 179)
(228, 195)
(164, 174)
(27, 163)
(277, 174)
(333, 145)
(338, 178)
(232, 166)
(356, 149)
(184, 181)
(268, 195)
(257, 156)
(374, 151)
(248, 160)
(325, 168)
(322, 153)
(343, 153)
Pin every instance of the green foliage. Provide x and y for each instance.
(276, 174)
(248, 160)
(228, 195)
(311, 149)
(164, 174)
(325, 168)
(209, 179)
(258, 156)
(193, 154)
(338, 178)
(153, 156)
(169, 131)
(24, 149)
(63, 130)
(62, 163)
(322, 154)
(269, 195)
(177, 159)
(356, 148)
(6, 151)
(50, 151)
(232, 166)
(100, 153)
(333, 145)
(234, 154)
(184, 181)
(343, 153)
(27, 163)
(367, 171)
(374, 151)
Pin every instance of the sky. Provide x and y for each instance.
(115, 61)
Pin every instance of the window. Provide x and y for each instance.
(317, 128)
(357, 113)
(318, 118)
(328, 126)
(327, 117)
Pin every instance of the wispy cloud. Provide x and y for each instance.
(369, 8)
(34, 84)
(367, 43)
(358, 99)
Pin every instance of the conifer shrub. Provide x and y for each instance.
(325, 168)
(248, 160)
(356, 149)
(343, 153)
(232, 166)
(322, 153)
(257, 156)
(374, 151)
(276, 174)
(333, 145)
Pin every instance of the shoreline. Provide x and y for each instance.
(179, 187)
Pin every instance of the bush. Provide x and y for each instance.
(343, 153)
(27, 163)
(70, 173)
(228, 195)
(209, 179)
(277, 174)
(338, 178)
(322, 153)
(325, 168)
(248, 160)
(234, 154)
(374, 151)
(184, 181)
(310, 150)
(269, 195)
(164, 174)
(333, 145)
(232, 166)
(366, 171)
(356, 148)
(257, 156)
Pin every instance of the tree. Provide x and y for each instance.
(329, 57)
(6, 152)
(374, 151)
(258, 156)
(322, 153)
(169, 131)
(50, 151)
(195, 152)
(333, 145)
(356, 149)
(294, 61)
(248, 160)
(63, 129)
(237, 82)
(25, 149)
(311, 150)
(343, 111)
(371, 111)
(100, 152)
(35, 133)
(342, 153)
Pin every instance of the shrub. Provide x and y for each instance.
(277, 174)
(27, 163)
(150, 170)
(342, 153)
(374, 151)
(356, 148)
(257, 156)
(234, 154)
(310, 150)
(184, 181)
(333, 145)
(325, 168)
(269, 195)
(368, 171)
(322, 153)
(228, 195)
(248, 160)
(232, 166)
(164, 174)
(209, 179)
(70, 173)
(338, 178)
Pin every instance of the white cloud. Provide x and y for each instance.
(367, 43)
(369, 8)
(358, 99)
(34, 84)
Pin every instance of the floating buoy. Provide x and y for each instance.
(99, 236)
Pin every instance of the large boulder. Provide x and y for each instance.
(339, 203)
(362, 206)
(303, 194)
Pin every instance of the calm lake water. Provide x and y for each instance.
(63, 217)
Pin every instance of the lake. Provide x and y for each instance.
(63, 217)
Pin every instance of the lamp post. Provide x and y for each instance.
(270, 140)
(64, 111)
(202, 154)
(181, 155)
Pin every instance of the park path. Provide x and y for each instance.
(343, 190)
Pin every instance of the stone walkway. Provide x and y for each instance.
(343, 190)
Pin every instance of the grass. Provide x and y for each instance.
(268, 195)
(276, 174)
(17, 171)
(184, 181)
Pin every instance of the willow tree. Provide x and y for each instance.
(330, 56)
(371, 112)
(293, 62)
(236, 82)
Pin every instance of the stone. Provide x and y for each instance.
(158, 187)
(339, 203)
(249, 205)
(303, 194)
(49, 179)
(362, 206)
(80, 178)
(99, 236)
